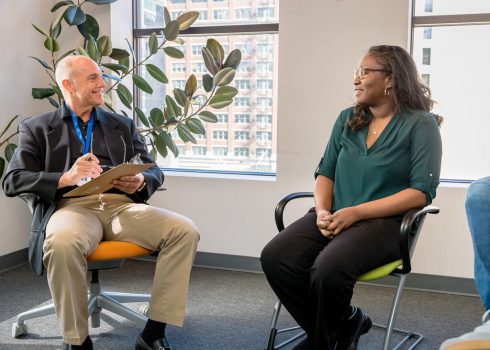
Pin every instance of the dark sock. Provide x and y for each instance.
(86, 345)
(153, 330)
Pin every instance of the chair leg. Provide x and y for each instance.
(127, 297)
(274, 331)
(111, 305)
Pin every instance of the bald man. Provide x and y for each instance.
(56, 151)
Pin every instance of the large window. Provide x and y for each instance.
(231, 144)
(450, 46)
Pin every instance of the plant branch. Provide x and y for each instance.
(8, 138)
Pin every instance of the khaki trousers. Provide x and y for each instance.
(76, 228)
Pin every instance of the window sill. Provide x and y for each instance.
(270, 177)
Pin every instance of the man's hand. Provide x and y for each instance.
(129, 184)
(342, 219)
(85, 166)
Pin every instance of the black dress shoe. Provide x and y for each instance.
(159, 344)
(358, 325)
(87, 345)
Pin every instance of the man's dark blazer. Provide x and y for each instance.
(43, 156)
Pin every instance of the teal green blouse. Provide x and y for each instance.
(407, 154)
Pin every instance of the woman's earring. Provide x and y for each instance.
(387, 92)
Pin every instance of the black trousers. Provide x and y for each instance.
(314, 276)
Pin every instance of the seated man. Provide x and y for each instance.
(478, 213)
(58, 149)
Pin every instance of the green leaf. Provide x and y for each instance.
(55, 31)
(209, 117)
(191, 85)
(156, 73)
(187, 19)
(167, 138)
(53, 102)
(92, 49)
(115, 67)
(40, 93)
(141, 83)
(44, 64)
(89, 28)
(207, 82)
(219, 102)
(118, 54)
(2, 166)
(9, 151)
(124, 95)
(142, 117)
(81, 51)
(65, 54)
(124, 113)
(153, 43)
(104, 45)
(56, 90)
(180, 96)
(171, 30)
(196, 126)
(40, 30)
(108, 100)
(173, 52)
(228, 91)
(124, 62)
(130, 47)
(156, 117)
(9, 124)
(233, 59)
(153, 154)
(101, 2)
(185, 134)
(61, 4)
(172, 108)
(74, 15)
(224, 76)
(216, 51)
(209, 61)
(166, 15)
(160, 145)
(51, 44)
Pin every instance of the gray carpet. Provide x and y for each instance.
(227, 310)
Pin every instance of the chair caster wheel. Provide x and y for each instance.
(18, 330)
(144, 310)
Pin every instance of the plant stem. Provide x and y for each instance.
(8, 138)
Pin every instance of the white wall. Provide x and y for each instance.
(320, 43)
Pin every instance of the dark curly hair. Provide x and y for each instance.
(408, 90)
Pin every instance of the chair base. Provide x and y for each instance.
(97, 300)
(417, 337)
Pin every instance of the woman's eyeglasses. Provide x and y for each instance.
(361, 72)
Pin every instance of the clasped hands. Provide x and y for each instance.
(88, 166)
(330, 225)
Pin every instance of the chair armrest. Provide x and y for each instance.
(281, 205)
(408, 238)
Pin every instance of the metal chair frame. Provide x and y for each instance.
(410, 228)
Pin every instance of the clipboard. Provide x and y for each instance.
(104, 181)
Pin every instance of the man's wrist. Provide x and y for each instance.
(141, 187)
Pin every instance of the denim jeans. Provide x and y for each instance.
(478, 213)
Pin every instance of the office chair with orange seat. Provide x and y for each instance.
(108, 255)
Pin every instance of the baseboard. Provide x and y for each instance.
(417, 281)
(14, 259)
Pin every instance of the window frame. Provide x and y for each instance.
(198, 29)
(444, 21)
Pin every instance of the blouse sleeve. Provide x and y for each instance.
(425, 157)
(328, 163)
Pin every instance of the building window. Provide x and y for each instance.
(241, 152)
(220, 151)
(242, 118)
(242, 135)
(428, 33)
(426, 79)
(264, 135)
(428, 6)
(231, 143)
(263, 152)
(199, 150)
(220, 134)
(426, 55)
(242, 84)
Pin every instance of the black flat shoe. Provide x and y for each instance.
(159, 344)
(358, 325)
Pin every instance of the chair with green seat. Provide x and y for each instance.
(410, 228)
(108, 255)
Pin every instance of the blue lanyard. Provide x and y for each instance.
(85, 143)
